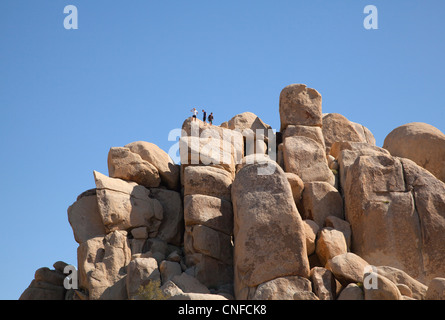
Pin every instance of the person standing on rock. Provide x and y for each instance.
(211, 118)
(195, 113)
(204, 115)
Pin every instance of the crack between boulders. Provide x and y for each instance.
(410, 189)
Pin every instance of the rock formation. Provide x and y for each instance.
(315, 211)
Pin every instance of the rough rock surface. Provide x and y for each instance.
(263, 204)
(421, 143)
(229, 224)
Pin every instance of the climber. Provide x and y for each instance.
(195, 113)
(211, 118)
(204, 115)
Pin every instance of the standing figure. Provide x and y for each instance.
(211, 118)
(204, 115)
(195, 113)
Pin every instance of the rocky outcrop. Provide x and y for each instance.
(421, 143)
(396, 212)
(336, 128)
(331, 216)
(263, 204)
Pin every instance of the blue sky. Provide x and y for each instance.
(133, 69)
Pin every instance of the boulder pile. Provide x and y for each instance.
(315, 211)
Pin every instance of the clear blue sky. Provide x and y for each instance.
(133, 70)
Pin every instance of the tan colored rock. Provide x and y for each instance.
(212, 272)
(257, 158)
(300, 105)
(336, 128)
(124, 205)
(396, 211)
(429, 198)
(139, 233)
(296, 184)
(404, 290)
(347, 152)
(207, 181)
(436, 289)
(385, 290)
(305, 295)
(421, 143)
(169, 269)
(224, 124)
(311, 229)
(171, 228)
(306, 158)
(189, 284)
(209, 211)
(384, 223)
(210, 242)
(47, 285)
(126, 165)
(330, 243)
(347, 268)
(168, 171)
(255, 142)
(140, 272)
(314, 133)
(230, 140)
(84, 217)
(282, 288)
(268, 231)
(195, 151)
(399, 277)
(340, 225)
(102, 265)
(248, 120)
(351, 292)
(324, 284)
(319, 201)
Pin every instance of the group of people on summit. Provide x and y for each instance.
(204, 116)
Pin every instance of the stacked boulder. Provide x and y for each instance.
(332, 216)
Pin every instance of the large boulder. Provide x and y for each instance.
(306, 158)
(140, 272)
(47, 284)
(268, 232)
(230, 140)
(347, 267)
(248, 120)
(300, 105)
(124, 164)
(124, 205)
(168, 171)
(208, 181)
(315, 133)
(319, 201)
(421, 143)
(171, 228)
(330, 243)
(384, 289)
(282, 288)
(397, 214)
(347, 152)
(195, 151)
(336, 128)
(209, 211)
(102, 263)
(399, 277)
(84, 217)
